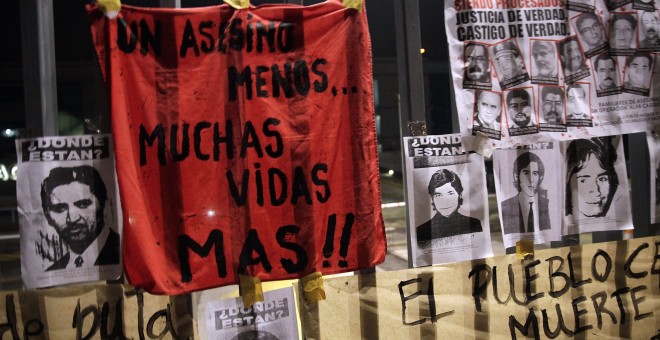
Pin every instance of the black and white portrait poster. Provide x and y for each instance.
(596, 186)
(69, 211)
(274, 318)
(653, 140)
(527, 182)
(447, 201)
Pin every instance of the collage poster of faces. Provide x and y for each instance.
(69, 211)
(448, 203)
(542, 201)
(653, 141)
(582, 68)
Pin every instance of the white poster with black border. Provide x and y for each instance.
(653, 141)
(596, 194)
(447, 201)
(69, 210)
(274, 318)
(527, 182)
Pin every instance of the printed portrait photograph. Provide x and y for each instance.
(649, 31)
(637, 72)
(606, 75)
(487, 110)
(447, 194)
(509, 64)
(578, 102)
(623, 33)
(592, 180)
(477, 66)
(591, 33)
(74, 201)
(572, 59)
(552, 105)
(544, 64)
(520, 109)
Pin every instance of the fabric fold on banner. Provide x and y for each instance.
(245, 142)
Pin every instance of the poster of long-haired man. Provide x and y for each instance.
(448, 204)
(68, 210)
(525, 183)
(596, 188)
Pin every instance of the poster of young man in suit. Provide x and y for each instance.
(653, 141)
(596, 186)
(447, 201)
(69, 211)
(527, 192)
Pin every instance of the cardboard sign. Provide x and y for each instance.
(245, 142)
(94, 312)
(603, 290)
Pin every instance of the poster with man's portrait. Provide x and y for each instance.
(527, 193)
(637, 73)
(275, 318)
(69, 211)
(509, 64)
(448, 202)
(596, 186)
(653, 141)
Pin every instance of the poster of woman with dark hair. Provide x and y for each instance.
(448, 205)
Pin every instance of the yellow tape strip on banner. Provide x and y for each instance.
(355, 4)
(238, 4)
(250, 290)
(525, 249)
(110, 7)
(313, 290)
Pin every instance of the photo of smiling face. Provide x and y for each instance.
(591, 187)
(445, 199)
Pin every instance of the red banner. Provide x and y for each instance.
(245, 142)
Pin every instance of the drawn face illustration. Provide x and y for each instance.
(553, 108)
(590, 188)
(606, 73)
(489, 107)
(529, 179)
(622, 33)
(639, 72)
(650, 25)
(445, 199)
(73, 209)
(576, 104)
(544, 58)
(572, 56)
(591, 32)
(520, 111)
(476, 59)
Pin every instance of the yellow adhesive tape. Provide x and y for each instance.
(109, 5)
(313, 290)
(525, 249)
(238, 4)
(355, 4)
(250, 289)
